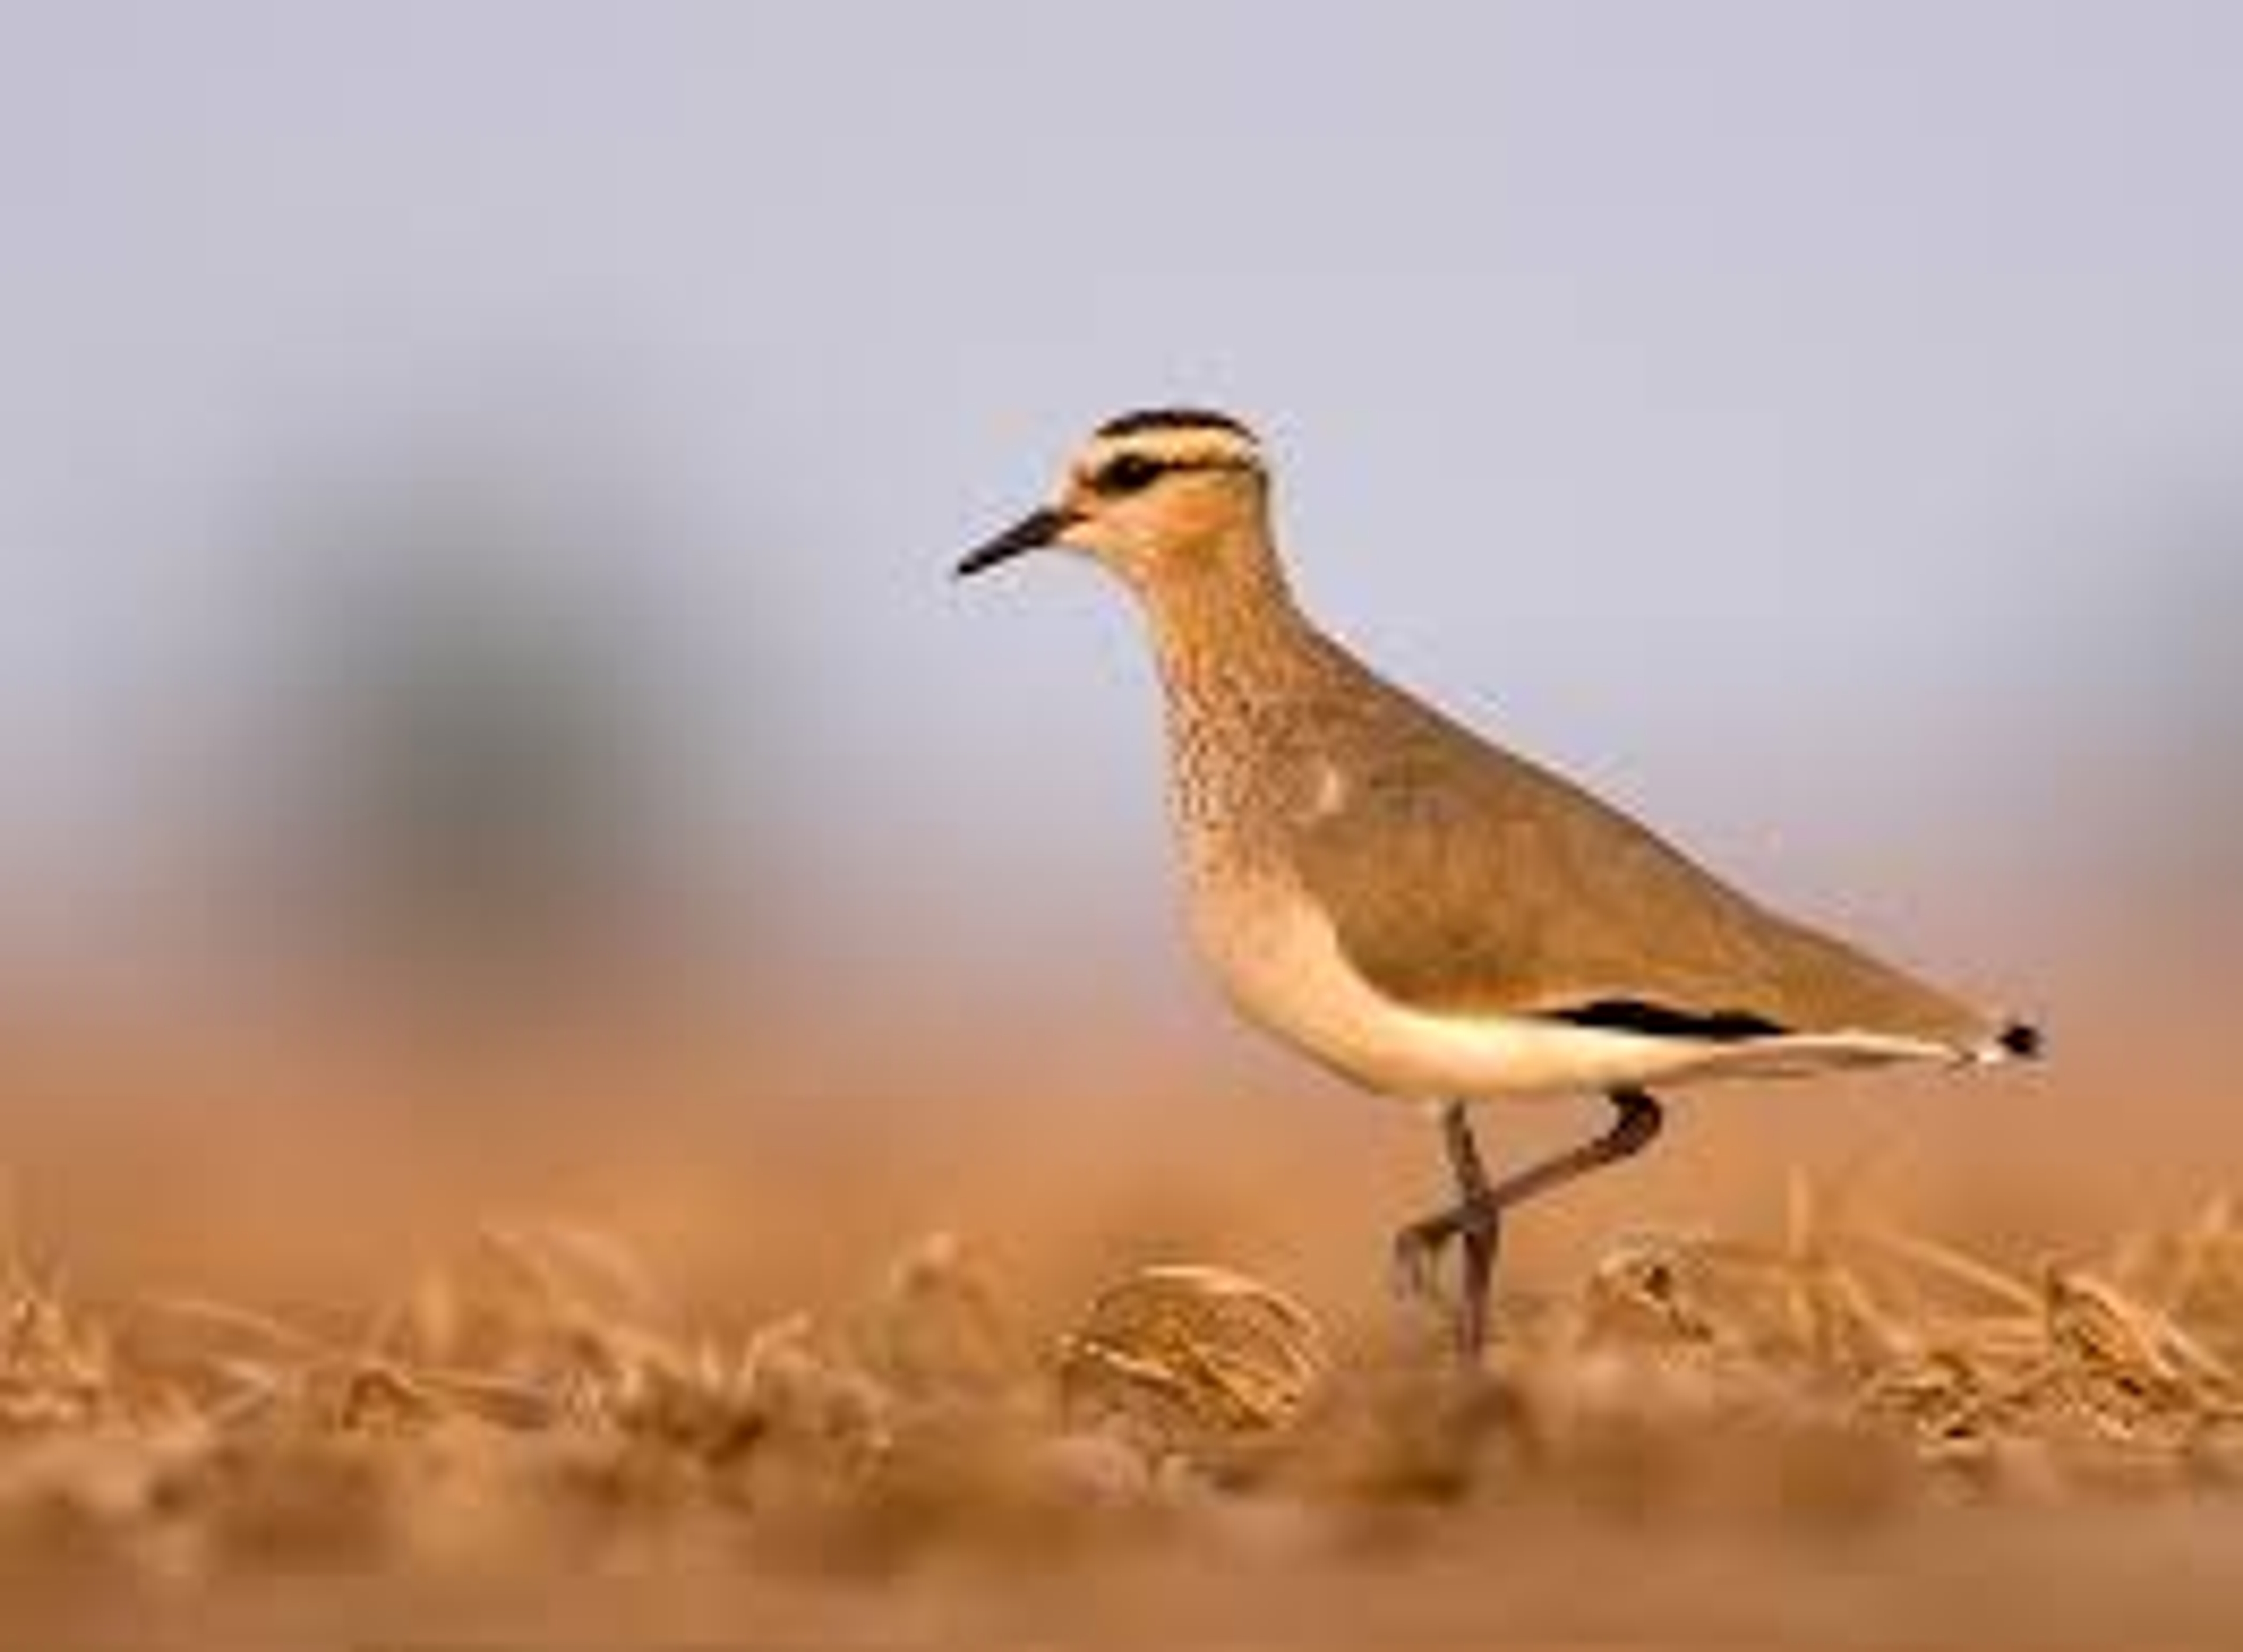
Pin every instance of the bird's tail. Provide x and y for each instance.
(2016, 1041)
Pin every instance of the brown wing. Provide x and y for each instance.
(1459, 878)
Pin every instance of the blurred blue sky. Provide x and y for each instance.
(1803, 419)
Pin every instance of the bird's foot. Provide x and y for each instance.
(1476, 1228)
(1418, 1251)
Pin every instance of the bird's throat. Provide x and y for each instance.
(1228, 623)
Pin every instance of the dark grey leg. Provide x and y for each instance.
(1475, 1221)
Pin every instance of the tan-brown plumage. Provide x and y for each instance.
(1413, 906)
(1461, 878)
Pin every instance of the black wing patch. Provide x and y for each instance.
(1658, 1021)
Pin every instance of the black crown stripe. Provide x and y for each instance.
(1131, 424)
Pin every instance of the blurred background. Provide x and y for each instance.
(487, 727)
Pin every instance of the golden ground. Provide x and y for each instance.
(737, 1365)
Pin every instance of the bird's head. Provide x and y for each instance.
(1159, 497)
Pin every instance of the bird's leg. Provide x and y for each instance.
(1476, 1217)
(1641, 1117)
(1476, 1220)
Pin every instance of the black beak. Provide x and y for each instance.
(1032, 532)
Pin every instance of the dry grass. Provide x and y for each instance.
(538, 1405)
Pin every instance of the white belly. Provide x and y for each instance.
(1282, 965)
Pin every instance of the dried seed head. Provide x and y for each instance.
(1189, 1355)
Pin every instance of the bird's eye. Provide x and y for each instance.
(1129, 473)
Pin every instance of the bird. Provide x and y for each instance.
(1420, 910)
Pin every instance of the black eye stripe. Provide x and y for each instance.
(1129, 471)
